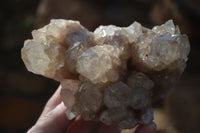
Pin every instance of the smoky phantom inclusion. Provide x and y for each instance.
(110, 75)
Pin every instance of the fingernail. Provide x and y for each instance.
(60, 106)
(150, 128)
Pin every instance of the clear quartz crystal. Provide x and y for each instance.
(45, 54)
(79, 40)
(133, 32)
(100, 63)
(159, 48)
(139, 80)
(69, 89)
(89, 99)
(47, 60)
(166, 28)
(112, 74)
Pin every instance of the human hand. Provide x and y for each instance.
(54, 120)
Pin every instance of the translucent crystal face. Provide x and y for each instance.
(111, 74)
(159, 48)
(100, 64)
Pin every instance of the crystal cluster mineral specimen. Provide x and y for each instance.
(110, 75)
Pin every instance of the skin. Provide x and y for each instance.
(54, 120)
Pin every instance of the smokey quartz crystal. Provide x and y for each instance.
(110, 75)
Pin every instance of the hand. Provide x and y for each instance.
(54, 120)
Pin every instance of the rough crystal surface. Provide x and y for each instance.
(89, 100)
(54, 48)
(112, 74)
(100, 63)
(159, 48)
(139, 80)
(69, 89)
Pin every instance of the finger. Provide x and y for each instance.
(81, 126)
(108, 129)
(53, 101)
(54, 121)
(150, 128)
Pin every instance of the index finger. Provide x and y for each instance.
(53, 101)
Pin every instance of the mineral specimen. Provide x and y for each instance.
(110, 75)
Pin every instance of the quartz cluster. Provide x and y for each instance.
(112, 74)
